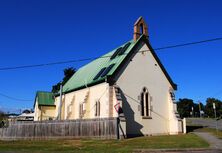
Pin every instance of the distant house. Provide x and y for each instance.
(129, 83)
(44, 107)
(25, 117)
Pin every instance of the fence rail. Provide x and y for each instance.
(104, 128)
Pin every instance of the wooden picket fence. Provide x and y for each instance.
(104, 128)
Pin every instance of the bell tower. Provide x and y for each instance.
(140, 28)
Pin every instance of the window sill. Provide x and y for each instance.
(146, 117)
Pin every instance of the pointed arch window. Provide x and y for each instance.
(172, 95)
(145, 103)
(141, 29)
(97, 108)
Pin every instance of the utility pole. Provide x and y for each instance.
(215, 113)
(41, 113)
(200, 109)
(60, 104)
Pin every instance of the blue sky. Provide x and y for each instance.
(35, 32)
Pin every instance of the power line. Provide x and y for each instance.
(46, 64)
(13, 98)
(93, 58)
(191, 43)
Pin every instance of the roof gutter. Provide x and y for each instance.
(84, 86)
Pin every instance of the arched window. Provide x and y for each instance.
(145, 102)
(97, 108)
(172, 95)
(141, 29)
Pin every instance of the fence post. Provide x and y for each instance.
(117, 127)
(184, 125)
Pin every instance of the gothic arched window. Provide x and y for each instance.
(145, 102)
(141, 29)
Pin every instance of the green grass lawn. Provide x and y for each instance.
(100, 146)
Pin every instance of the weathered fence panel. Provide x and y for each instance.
(104, 128)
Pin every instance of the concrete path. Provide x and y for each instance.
(214, 142)
(177, 151)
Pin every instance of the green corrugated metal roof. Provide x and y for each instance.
(85, 75)
(45, 98)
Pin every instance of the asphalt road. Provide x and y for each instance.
(211, 123)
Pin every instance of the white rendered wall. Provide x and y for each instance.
(144, 71)
(98, 92)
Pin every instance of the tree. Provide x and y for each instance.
(184, 107)
(68, 73)
(2, 115)
(209, 107)
(2, 118)
(55, 88)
